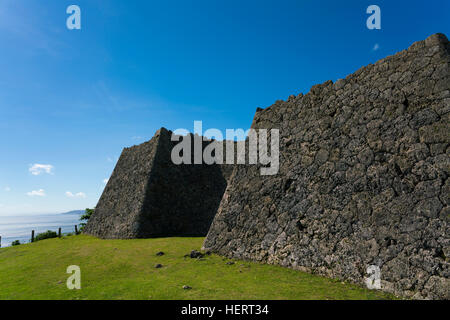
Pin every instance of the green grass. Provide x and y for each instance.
(125, 269)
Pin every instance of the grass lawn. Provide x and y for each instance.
(125, 269)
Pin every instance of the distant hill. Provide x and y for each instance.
(78, 212)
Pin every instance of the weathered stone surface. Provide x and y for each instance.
(149, 196)
(363, 180)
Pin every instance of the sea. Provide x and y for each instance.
(19, 227)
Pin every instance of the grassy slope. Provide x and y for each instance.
(124, 269)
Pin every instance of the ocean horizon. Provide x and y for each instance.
(19, 227)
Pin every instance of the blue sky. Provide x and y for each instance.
(70, 100)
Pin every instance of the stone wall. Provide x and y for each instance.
(364, 179)
(149, 196)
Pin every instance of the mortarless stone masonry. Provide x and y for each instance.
(364, 179)
(149, 196)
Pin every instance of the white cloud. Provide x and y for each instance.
(105, 181)
(38, 193)
(376, 47)
(7, 189)
(36, 169)
(76, 195)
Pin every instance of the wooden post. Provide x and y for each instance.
(59, 233)
(32, 235)
(0, 241)
(76, 229)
